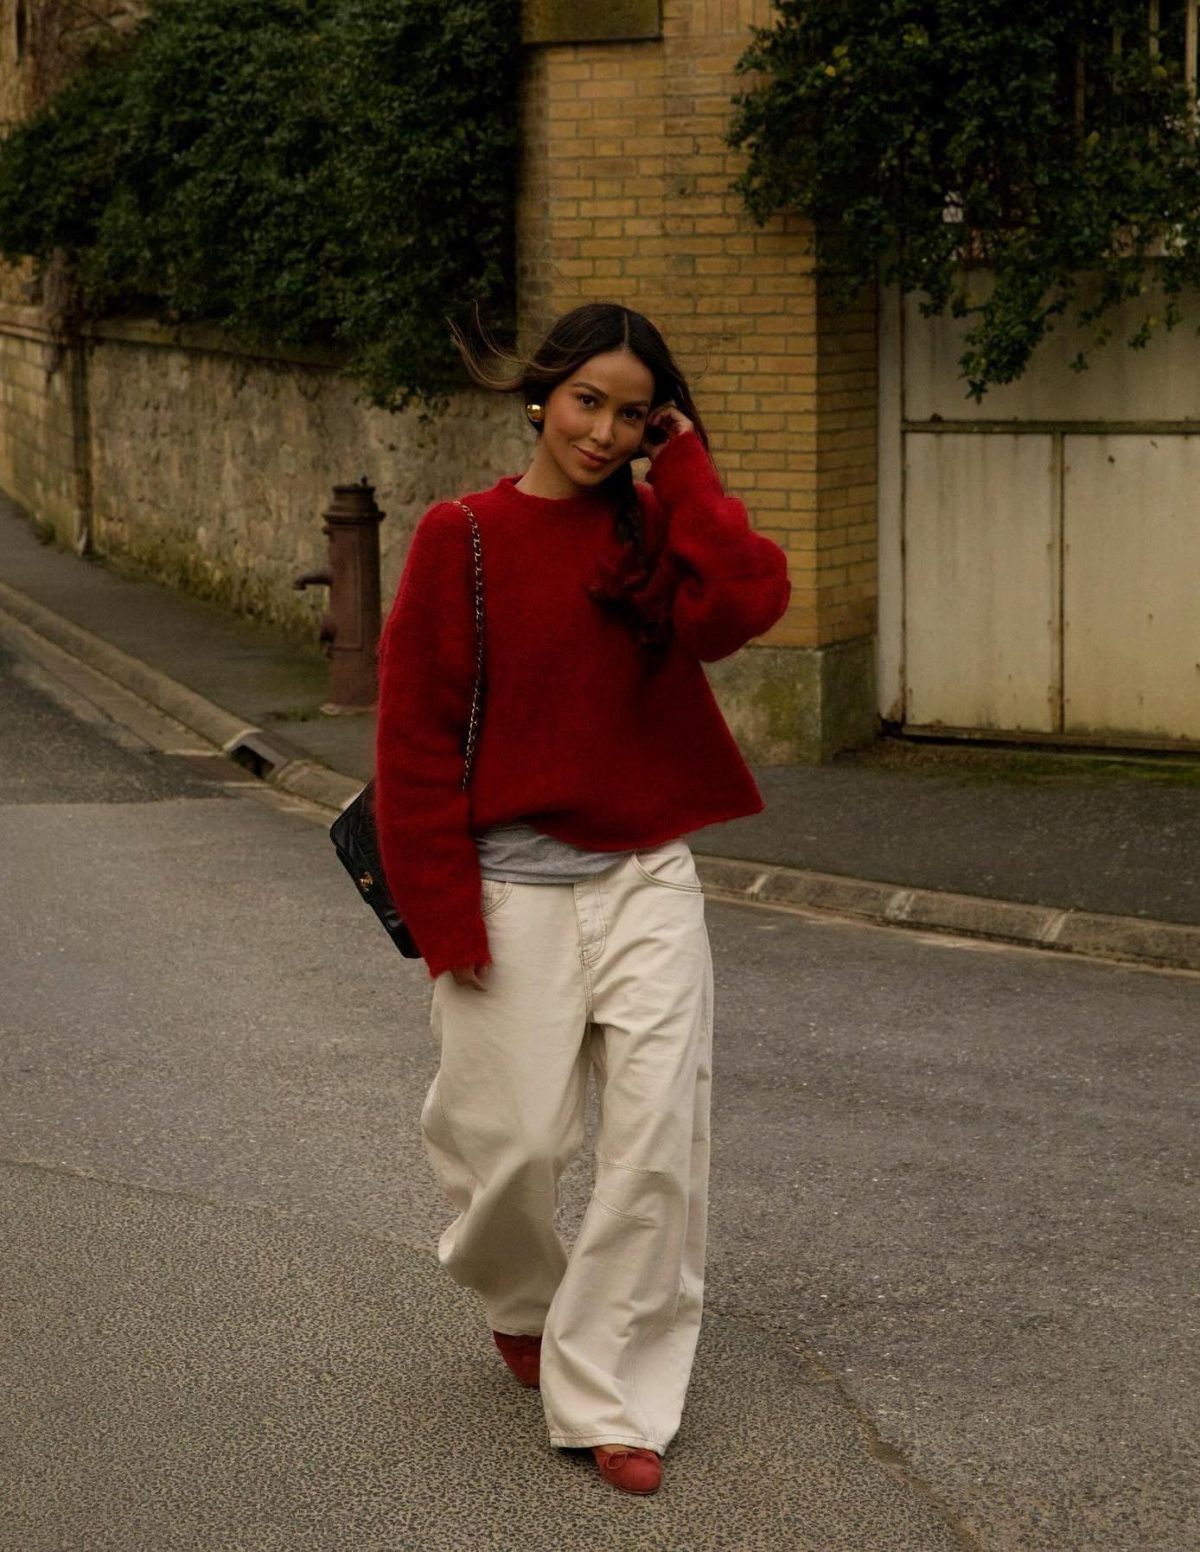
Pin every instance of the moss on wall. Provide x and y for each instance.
(790, 705)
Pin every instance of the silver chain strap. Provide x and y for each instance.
(477, 697)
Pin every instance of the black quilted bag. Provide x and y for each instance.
(353, 832)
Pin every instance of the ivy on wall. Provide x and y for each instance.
(1052, 146)
(333, 172)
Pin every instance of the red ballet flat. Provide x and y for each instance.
(522, 1354)
(629, 1467)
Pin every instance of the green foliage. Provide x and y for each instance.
(1046, 143)
(297, 171)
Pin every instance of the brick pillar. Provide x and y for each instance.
(625, 196)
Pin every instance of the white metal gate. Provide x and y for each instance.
(1040, 552)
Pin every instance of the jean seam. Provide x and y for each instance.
(634, 1169)
(617, 1213)
(486, 910)
(664, 883)
(597, 950)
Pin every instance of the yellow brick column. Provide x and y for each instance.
(625, 194)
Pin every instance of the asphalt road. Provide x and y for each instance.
(952, 1291)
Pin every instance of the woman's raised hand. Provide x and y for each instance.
(663, 425)
(470, 975)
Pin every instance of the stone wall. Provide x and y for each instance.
(37, 431)
(211, 467)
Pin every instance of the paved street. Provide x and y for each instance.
(952, 1294)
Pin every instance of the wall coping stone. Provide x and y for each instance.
(207, 338)
(32, 322)
(24, 320)
(585, 21)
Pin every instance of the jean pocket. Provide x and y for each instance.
(493, 893)
(671, 866)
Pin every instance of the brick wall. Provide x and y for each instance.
(625, 195)
(840, 544)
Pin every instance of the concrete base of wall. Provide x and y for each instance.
(799, 705)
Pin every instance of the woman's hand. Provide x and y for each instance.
(663, 425)
(470, 975)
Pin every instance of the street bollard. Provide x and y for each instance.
(349, 630)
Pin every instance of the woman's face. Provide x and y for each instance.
(595, 421)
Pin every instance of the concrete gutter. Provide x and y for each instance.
(266, 754)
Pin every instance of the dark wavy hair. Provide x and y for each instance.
(587, 331)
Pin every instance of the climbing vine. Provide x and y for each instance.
(335, 172)
(1023, 167)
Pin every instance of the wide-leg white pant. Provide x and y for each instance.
(613, 975)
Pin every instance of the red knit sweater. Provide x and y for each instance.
(587, 733)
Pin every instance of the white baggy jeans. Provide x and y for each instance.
(612, 974)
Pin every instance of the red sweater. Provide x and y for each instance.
(586, 733)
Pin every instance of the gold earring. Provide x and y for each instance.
(536, 414)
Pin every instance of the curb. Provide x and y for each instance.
(1171, 945)
(265, 754)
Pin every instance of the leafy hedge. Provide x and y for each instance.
(298, 171)
(1049, 143)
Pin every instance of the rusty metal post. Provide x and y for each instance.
(350, 629)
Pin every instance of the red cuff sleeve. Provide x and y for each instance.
(426, 680)
(735, 582)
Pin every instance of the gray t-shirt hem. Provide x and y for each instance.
(519, 854)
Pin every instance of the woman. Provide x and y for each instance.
(555, 903)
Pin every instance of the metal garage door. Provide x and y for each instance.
(1040, 553)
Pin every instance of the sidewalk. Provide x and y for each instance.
(1077, 853)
